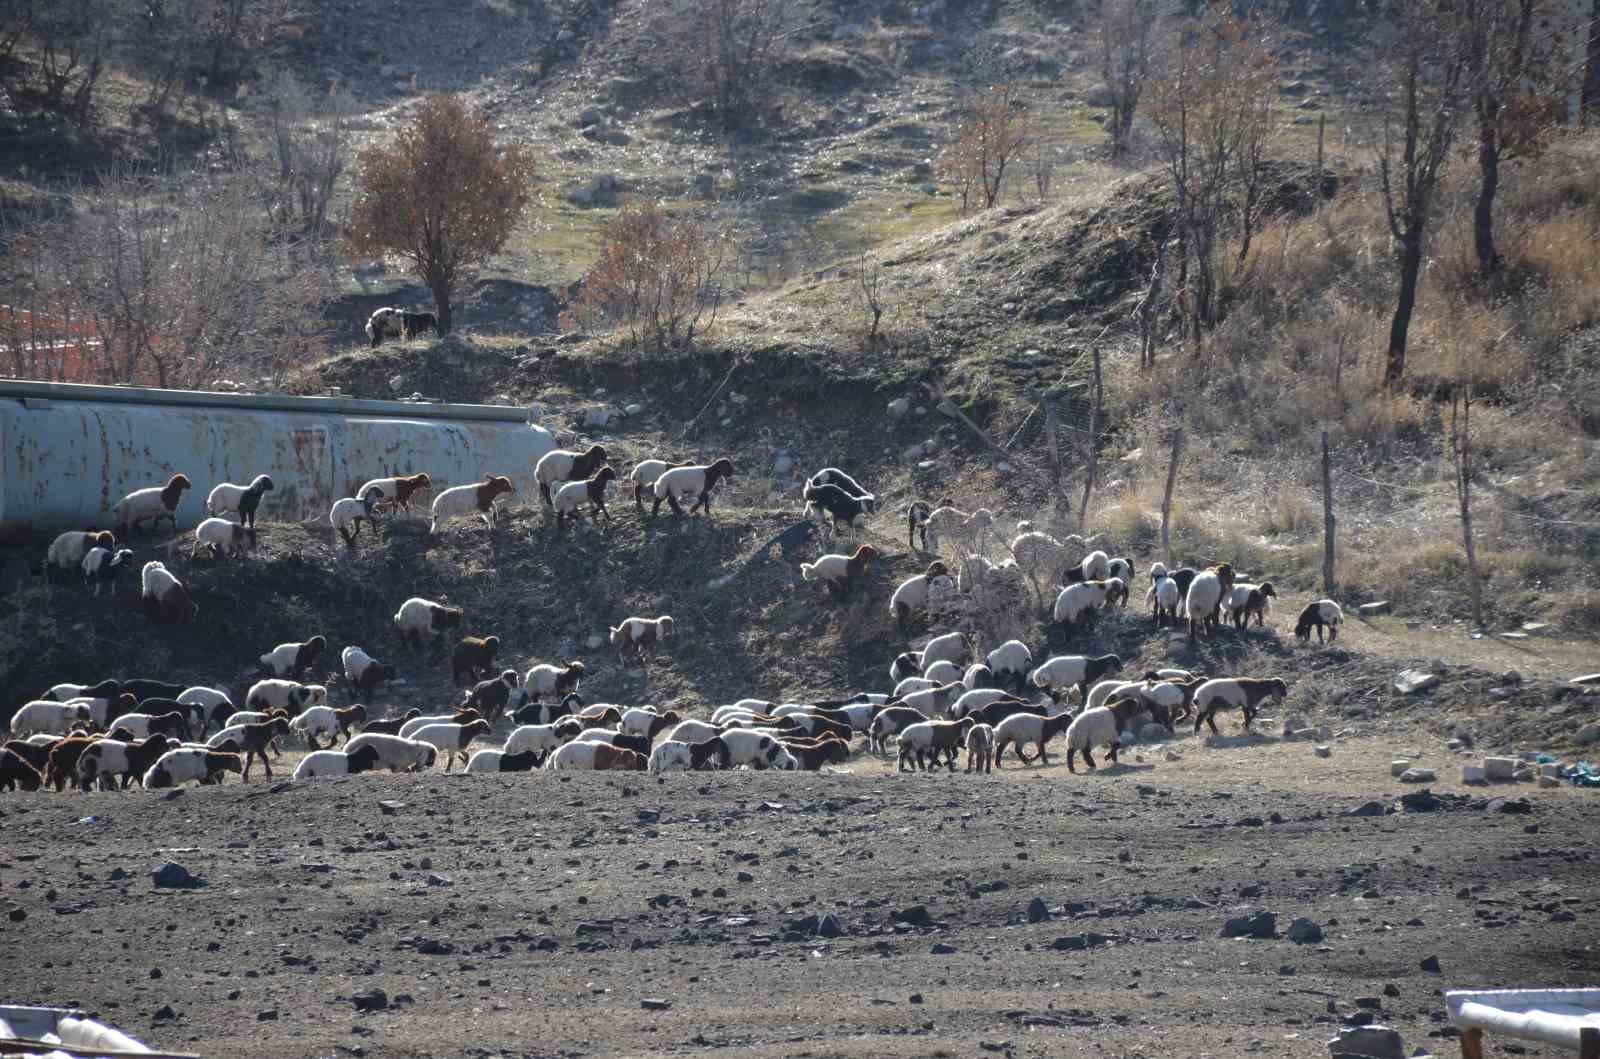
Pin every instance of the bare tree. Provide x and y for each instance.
(987, 141)
(1425, 83)
(307, 142)
(1174, 455)
(725, 53)
(1092, 464)
(869, 286)
(1127, 45)
(1463, 464)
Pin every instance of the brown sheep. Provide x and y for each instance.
(491, 697)
(255, 739)
(813, 754)
(64, 754)
(391, 725)
(15, 771)
(473, 658)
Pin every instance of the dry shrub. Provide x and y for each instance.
(987, 140)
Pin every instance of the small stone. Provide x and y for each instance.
(1398, 766)
(1418, 776)
(163, 1013)
(941, 949)
(389, 808)
(1500, 769)
(269, 1015)
(1002, 467)
(1473, 774)
(1367, 809)
(1286, 970)
(17, 915)
(1037, 912)
(899, 407)
(914, 998)
(1304, 931)
(1368, 1042)
(1391, 990)
(173, 876)
(1412, 681)
(829, 926)
(1511, 676)
(916, 915)
(1430, 963)
(1256, 925)
(371, 1000)
(1589, 733)
(651, 1003)
(1322, 751)
(745, 876)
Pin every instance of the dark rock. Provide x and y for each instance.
(941, 949)
(269, 1015)
(1255, 925)
(1304, 931)
(389, 808)
(1367, 809)
(371, 1000)
(1391, 990)
(916, 915)
(116, 875)
(1423, 801)
(1037, 912)
(1510, 806)
(915, 998)
(651, 1003)
(1431, 963)
(17, 915)
(155, 973)
(829, 926)
(175, 877)
(1251, 890)
(745, 876)
(164, 1012)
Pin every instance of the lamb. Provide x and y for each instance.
(839, 572)
(671, 756)
(473, 658)
(1164, 597)
(336, 763)
(177, 767)
(835, 477)
(396, 491)
(596, 756)
(1324, 612)
(944, 671)
(641, 635)
(646, 722)
(1121, 568)
(561, 465)
(1012, 660)
(935, 701)
(318, 721)
(644, 475)
(637, 743)
(757, 750)
(1245, 600)
(906, 664)
(157, 715)
(1096, 566)
(68, 551)
(62, 763)
(500, 761)
(891, 721)
(363, 674)
(1101, 726)
(559, 680)
(980, 748)
(491, 697)
(1077, 603)
(101, 567)
(293, 659)
(152, 505)
(15, 771)
(977, 699)
(255, 738)
(387, 322)
(461, 716)
(1000, 709)
(285, 695)
(467, 499)
(391, 725)
(693, 731)
(165, 597)
(413, 324)
(924, 741)
(547, 712)
(395, 753)
(244, 499)
(838, 503)
(913, 592)
(1064, 671)
(1243, 693)
(1206, 593)
(452, 739)
(539, 738)
(946, 521)
(348, 514)
(952, 646)
(421, 619)
(46, 716)
(812, 755)
(693, 480)
(570, 497)
(108, 759)
(917, 520)
(1102, 692)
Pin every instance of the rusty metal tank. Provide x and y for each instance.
(69, 452)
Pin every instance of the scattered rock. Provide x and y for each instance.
(269, 1015)
(1304, 931)
(1589, 733)
(173, 876)
(371, 1000)
(651, 1003)
(1368, 1042)
(163, 1013)
(941, 949)
(1255, 925)
(1417, 776)
(1037, 912)
(1511, 676)
(389, 808)
(1510, 806)
(1412, 681)
(1369, 610)
(1398, 766)
(916, 915)
(829, 926)
(1367, 809)
(899, 407)
(1499, 769)
(17, 915)
(1473, 774)
(1430, 963)
(1323, 751)
(1423, 801)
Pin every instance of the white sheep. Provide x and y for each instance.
(152, 505)
(1020, 729)
(540, 738)
(913, 594)
(976, 699)
(1078, 602)
(953, 647)
(978, 675)
(208, 699)
(348, 514)
(670, 756)
(1066, 671)
(980, 748)
(910, 684)
(450, 739)
(396, 491)
(1200, 606)
(156, 580)
(1323, 612)
(580, 754)
(359, 671)
(420, 620)
(965, 529)
(643, 476)
(67, 551)
(1164, 599)
(47, 716)
(226, 496)
(645, 721)
(757, 750)
(692, 731)
(1011, 659)
(290, 659)
(563, 465)
(933, 702)
(695, 481)
(316, 722)
(187, 764)
(320, 763)
(641, 635)
(1096, 566)
(478, 498)
(546, 679)
(1092, 728)
(290, 695)
(1101, 693)
(395, 753)
(409, 729)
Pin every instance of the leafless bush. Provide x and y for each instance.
(869, 288)
(52, 55)
(307, 141)
(724, 53)
(987, 140)
(1127, 45)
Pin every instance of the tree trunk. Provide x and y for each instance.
(1327, 519)
(1489, 183)
(441, 306)
(1461, 443)
(1590, 100)
(1410, 272)
(1094, 438)
(1166, 497)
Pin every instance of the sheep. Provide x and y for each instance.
(460, 716)
(101, 567)
(413, 324)
(913, 593)
(68, 551)
(110, 758)
(47, 716)
(562, 465)
(637, 743)
(177, 767)
(596, 756)
(557, 680)
(812, 755)
(839, 572)
(15, 771)
(952, 646)
(1078, 602)
(1324, 612)
(1043, 558)
(1206, 593)
(1011, 659)
(641, 635)
(838, 503)
(980, 748)
(936, 700)
(1245, 600)
(452, 739)
(500, 761)
(547, 712)
(336, 763)
(396, 491)
(1243, 693)
(1122, 568)
(244, 499)
(165, 597)
(685, 481)
(693, 731)
(348, 514)
(473, 658)
(391, 725)
(819, 723)
(395, 753)
(1096, 566)
(317, 721)
(491, 697)
(421, 619)
(946, 521)
(61, 764)
(647, 722)
(1169, 701)
(1164, 597)
(387, 322)
(891, 720)
(923, 742)
(757, 750)
(977, 699)
(670, 756)
(569, 498)
(1102, 725)
(644, 475)
(539, 738)
(293, 659)
(1000, 709)
(106, 689)
(152, 505)
(284, 694)
(1102, 692)
(1064, 671)
(835, 477)
(142, 689)
(254, 739)
(363, 674)
(466, 499)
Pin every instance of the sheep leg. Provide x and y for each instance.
(1087, 760)
(1211, 720)
(1249, 715)
(601, 509)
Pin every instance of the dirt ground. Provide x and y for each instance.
(535, 914)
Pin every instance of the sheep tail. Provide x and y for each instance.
(808, 571)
